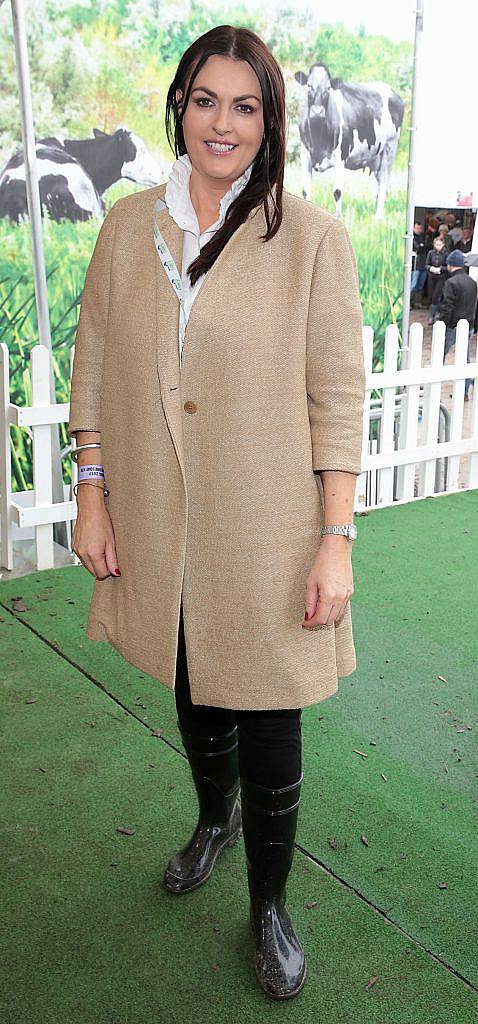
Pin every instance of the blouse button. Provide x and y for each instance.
(190, 406)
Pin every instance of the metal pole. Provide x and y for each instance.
(407, 267)
(34, 213)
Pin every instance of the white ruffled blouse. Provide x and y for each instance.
(181, 209)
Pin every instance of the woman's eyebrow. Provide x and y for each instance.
(202, 88)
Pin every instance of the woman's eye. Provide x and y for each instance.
(242, 106)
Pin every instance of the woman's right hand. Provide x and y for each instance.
(93, 537)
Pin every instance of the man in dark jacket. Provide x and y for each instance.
(419, 255)
(465, 242)
(459, 301)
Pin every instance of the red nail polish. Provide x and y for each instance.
(117, 572)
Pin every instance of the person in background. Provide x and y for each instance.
(465, 242)
(454, 228)
(455, 234)
(419, 256)
(471, 260)
(437, 274)
(459, 300)
(443, 233)
(432, 225)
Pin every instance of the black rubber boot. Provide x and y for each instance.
(269, 820)
(215, 769)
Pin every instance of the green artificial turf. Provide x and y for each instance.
(387, 848)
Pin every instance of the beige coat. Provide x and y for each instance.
(211, 468)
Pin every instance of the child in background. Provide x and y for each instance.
(437, 274)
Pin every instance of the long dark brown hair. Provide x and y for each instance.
(268, 166)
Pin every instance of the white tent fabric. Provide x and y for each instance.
(446, 164)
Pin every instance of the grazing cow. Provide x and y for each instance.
(344, 125)
(73, 174)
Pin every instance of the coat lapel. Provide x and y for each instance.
(167, 310)
(167, 327)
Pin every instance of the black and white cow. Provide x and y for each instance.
(73, 174)
(347, 125)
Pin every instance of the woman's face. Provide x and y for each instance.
(439, 244)
(225, 106)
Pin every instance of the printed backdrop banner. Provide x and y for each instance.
(100, 74)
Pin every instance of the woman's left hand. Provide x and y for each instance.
(329, 584)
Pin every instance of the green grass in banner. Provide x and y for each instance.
(67, 248)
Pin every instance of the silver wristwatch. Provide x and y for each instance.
(349, 530)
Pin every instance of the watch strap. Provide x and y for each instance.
(348, 530)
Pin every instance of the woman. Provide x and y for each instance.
(443, 233)
(213, 415)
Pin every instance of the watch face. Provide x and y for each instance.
(353, 532)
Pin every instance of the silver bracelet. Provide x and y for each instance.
(81, 448)
(92, 484)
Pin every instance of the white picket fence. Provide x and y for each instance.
(30, 514)
(412, 441)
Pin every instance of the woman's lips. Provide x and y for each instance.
(218, 152)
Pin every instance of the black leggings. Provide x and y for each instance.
(270, 742)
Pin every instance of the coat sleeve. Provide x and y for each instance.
(445, 311)
(335, 373)
(91, 332)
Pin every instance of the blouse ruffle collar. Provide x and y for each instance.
(178, 199)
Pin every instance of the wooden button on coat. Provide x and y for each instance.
(190, 406)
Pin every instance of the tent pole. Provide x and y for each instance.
(34, 213)
(407, 267)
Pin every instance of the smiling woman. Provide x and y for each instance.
(221, 331)
(222, 133)
(229, 91)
